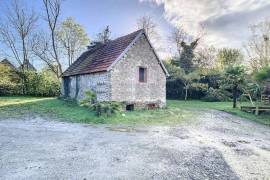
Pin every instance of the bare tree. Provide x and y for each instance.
(16, 29)
(206, 58)
(177, 37)
(46, 47)
(258, 46)
(150, 27)
(147, 23)
(105, 35)
(41, 47)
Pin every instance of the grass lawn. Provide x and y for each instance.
(222, 106)
(12, 107)
(177, 111)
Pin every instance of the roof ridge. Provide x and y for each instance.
(102, 57)
(134, 32)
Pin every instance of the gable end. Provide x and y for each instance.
(130, 46)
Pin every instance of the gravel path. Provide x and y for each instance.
(215, 145)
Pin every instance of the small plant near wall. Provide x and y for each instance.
(107, 108)
(100, 108)
(90, 98)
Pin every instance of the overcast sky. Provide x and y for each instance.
(225, 22)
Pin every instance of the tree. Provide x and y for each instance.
(184, 49)
(16, 29)
(229, 57)
(206, 58)
(104, 35)
(258, 46)
(73, 38)
(45, 46)
(263, 74)
(251, 90)
(178, 36)
(187, 56)
(233, 78)
(188, 79)
(147, 23)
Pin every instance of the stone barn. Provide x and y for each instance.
(126, 69)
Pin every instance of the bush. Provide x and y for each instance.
(30, 83)
(263, 74)
(175, 90)
(107, 108)
(90, 98)
(44, 83)
(216, 95)
(9, 81)
(49, 85)
(101, 108)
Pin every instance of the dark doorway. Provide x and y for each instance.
(66, 86)
(130, 107)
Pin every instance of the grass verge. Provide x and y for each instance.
(12, 107)
(222, 106)
(177, 111)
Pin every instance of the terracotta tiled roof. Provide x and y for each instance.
(101, 58)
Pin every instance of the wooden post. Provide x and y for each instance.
(257, 111)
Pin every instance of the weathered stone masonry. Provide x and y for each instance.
(124, 76)
(121, 82)
(98, 82)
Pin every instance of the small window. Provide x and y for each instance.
(151, 106)
(142, 74)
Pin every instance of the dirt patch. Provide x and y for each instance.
(180, 133)
(197, 163)
(243, 142)
(127, 129)
(229, 144)
(245, 152)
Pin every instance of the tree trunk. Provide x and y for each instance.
(250, 99)
(186, 93)
(234, 96)
(25, 58)
(59, 73)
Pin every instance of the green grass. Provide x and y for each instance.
(177, 111)
(222, 106)
(12, 107)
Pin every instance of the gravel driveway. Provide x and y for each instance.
(215, 145)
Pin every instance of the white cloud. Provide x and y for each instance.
(225, 22)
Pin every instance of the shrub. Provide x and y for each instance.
(49, 85)
(15, 82)
(90, 98)
(263, 74)
(107, 108)
(9, 81)
(44, 83)
(100, 108)
(216, 95)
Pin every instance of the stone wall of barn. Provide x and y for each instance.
(98, 82)
(125, 85)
